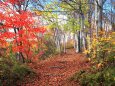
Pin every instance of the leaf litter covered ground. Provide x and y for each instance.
(56, 71)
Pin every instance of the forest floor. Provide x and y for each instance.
(57, 70)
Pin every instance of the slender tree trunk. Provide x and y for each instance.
(112, 18)
(64, 43)
(84, 42)
(57, 39)
(96, 18)
(90, 19)
(75, 41)
(100, 13)
(78, 42)
(20, 54)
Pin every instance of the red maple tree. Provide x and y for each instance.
(24, 34)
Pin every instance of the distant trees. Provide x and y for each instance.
(79, 8)
(99, 14)
(85, 11)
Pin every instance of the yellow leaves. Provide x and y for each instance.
(33, 46)
(94, 43)
(105, 39)
(49, 27)
(86, 52)
(49, 33)
(102, 39)
(100, 44)
(113, 43)
(101, 32)
(113, 33)
(39, 13)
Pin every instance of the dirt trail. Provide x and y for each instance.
(56, 71)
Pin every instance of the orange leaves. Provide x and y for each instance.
(3, 43)
(42, 30)
(1, 16)
(39, 13)
(17, 48)
(37, 29)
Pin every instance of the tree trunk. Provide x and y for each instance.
(84, 42)
(100, 13)
(57, 39)
(78, 42)
(99, 7)
(96, 18)
(64, 43)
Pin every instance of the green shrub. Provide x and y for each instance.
(102, 56)
(11, 72)
(0, 83)
(103, 77)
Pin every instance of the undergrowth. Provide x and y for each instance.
(12, 71)
(102, 58)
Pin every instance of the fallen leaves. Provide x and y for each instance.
(56, 71)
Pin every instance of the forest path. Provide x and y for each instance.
(56, 71)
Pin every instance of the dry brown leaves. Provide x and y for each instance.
(56, 71)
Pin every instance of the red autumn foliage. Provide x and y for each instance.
(24, 35)
(18, 2)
